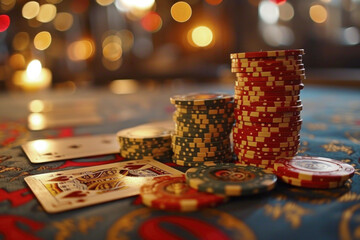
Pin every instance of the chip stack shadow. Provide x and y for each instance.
(203, 123)
(267, 105)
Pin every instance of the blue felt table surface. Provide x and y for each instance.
(331, 128)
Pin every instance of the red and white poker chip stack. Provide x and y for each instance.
(267, 105)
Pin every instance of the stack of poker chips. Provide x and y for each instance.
(203, 123)
(148, 141)
(267, 105)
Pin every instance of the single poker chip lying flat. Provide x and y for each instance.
(173, 194)
(264, 63)
(145, 132)
(267, 54)
(230, 179)
(207, 99)
(314, 169)
(312, 184)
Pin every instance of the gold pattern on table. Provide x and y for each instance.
(68, 226)
(290, 211)
(349, 227)
(335, 146)
(349, 197)
(353, 136)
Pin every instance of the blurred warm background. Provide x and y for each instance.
(71, 44)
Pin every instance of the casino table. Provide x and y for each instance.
(331, 128)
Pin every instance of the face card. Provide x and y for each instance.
(49, 150)
(71, 189)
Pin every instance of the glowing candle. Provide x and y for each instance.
(35, 77)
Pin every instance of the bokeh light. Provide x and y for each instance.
(278, 2)
(7, 5)
(104, 2)
(17, 61)
(318, 13)
(30, 9)
(181, 11)
(127, 40)
(33, 70)
(268, 12)
(42, 40)
(138, 4)
(81, 50)
(112, 51)
(63, 21)
(4, 22)
(286, 11)
(151, 22)
(124, 86)
(351, 36)
(47, 13)
(21, 41)
(202, 36)
(276, 36)
(214, 2)
(111, 65)
(36, 106)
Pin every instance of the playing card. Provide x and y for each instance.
(48, 150)
(65, 190)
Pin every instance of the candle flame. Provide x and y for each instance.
(33, 71)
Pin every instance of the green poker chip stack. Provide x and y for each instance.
(203, 123)
(148, 141)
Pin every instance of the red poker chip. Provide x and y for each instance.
(267, 161)
(285, 88)
(264, 63)
(262, 159)
(266, 104)
(269, 125)
(238, 112)
(266, 149)
(258, 59)
(267, 98)
(267, 144)
(241, 78)
(312, 184)
(270, 109)
(172, 193)
(235, 67)
(266, 134)
(268, 73)
(267, 120)
(314, 169)
(244, 152)
(268, 54)
(239, 136)
(264, 94)
(245, 128)
(267, 83)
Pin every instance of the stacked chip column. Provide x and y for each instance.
(203, 123)
(267, 105)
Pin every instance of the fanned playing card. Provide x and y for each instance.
(49, 150)
(76, 188)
